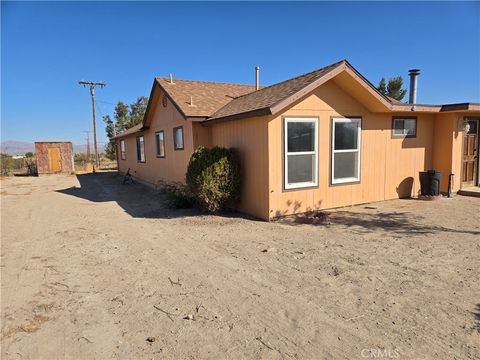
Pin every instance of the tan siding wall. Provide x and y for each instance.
(443, 148)
(173, 166)
(448, 147)
(387, 164)
(249, 138)
(201, 135)
(457, 150)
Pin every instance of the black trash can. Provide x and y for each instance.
(430, 182)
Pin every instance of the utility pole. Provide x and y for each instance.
(92, 85)
(88, 145)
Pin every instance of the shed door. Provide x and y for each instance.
(470, 155)
(54, 162)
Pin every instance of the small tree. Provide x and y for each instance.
(393, 89)
(137, 111)
(120, 114)
(28, 154)
(110, 130)
(213, 177)
(382, 86)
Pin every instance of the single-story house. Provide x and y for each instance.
(321, 140)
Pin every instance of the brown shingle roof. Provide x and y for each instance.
(271, 95)
(208, 97)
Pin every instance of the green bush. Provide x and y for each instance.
(177, 195)
(214, 179)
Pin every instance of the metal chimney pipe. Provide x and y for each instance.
(412, 96)
(257, 78)
(171, 78)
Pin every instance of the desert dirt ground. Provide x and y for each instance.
(93, 269)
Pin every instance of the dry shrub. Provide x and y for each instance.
(214, 179)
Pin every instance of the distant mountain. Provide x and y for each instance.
(21, 147)
(16, 147)
(83, 148)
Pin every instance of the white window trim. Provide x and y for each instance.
(289, 186)
(358, 150)
(123, 150)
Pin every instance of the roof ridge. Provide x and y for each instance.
(296, 77)
(205, 81)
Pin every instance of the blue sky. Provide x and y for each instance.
(48, 46)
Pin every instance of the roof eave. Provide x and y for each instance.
(127, 133)
(416, 108)
(342, 66)
(461, 107)
(248, 114)
(149, 104)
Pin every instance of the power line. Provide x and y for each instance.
(92, 85)
(105, 102)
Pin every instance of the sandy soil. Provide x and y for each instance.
(91, 268)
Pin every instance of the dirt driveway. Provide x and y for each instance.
(103, 271)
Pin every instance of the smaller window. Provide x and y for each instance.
(123, 153)
(404, 127)
(140, 149)
(160, 143)
(178, 138)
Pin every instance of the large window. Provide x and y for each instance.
(160, 143)
(178, 138)
(123, 152)
(346, 150)
(404, 127)
(301, 152)
(140, 149)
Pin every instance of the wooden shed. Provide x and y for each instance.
(54, 157)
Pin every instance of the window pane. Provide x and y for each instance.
(140, 149)
(122, 149)
(162, 144)
(178, 138)
(157, 143)
(301, 168)
(346, 135)
(405, 127)
(473, 127)
(345, 165)
(301, 136)
(410, 126)
(398, 126)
